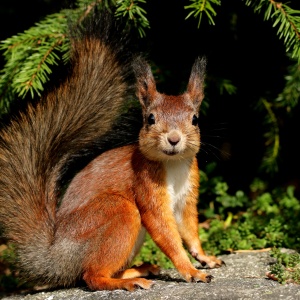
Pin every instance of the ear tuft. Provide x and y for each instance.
(196, 82)
(145, 83)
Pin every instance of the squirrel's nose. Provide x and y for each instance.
(174, 138)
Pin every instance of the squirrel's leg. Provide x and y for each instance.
(188, 229)
(111, 244)
(161, 225)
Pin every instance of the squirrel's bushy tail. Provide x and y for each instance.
(37, 144)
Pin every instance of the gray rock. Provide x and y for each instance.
(243, 277)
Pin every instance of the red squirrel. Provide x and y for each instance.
(96, 227)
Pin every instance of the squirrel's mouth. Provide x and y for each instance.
(170, 152)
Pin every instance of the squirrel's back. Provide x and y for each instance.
(36, 144)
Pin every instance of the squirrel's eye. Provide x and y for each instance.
(151, 119)
(195, 120)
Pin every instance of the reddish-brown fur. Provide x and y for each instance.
(129, 191)
(94, 231)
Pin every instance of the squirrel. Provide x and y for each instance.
(93, 230)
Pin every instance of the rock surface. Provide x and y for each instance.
(243, 277)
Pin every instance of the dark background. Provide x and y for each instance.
(241, 47)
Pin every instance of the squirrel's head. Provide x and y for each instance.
(170, 123)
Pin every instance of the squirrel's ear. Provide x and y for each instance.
(196, 82)
(145, 83)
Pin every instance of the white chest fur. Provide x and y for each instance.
(178, 185)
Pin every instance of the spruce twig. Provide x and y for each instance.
(287, 20)
(198, 7)
(31, 55)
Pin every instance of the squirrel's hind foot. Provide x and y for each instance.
(103, 283)
(143, 270)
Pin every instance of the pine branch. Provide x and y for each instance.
(31, 55)
(287, 100)
(86, 6)
(198, 7)
(286, 18)
(134, 13)
(289, 97)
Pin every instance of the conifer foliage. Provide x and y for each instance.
(31, 55)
